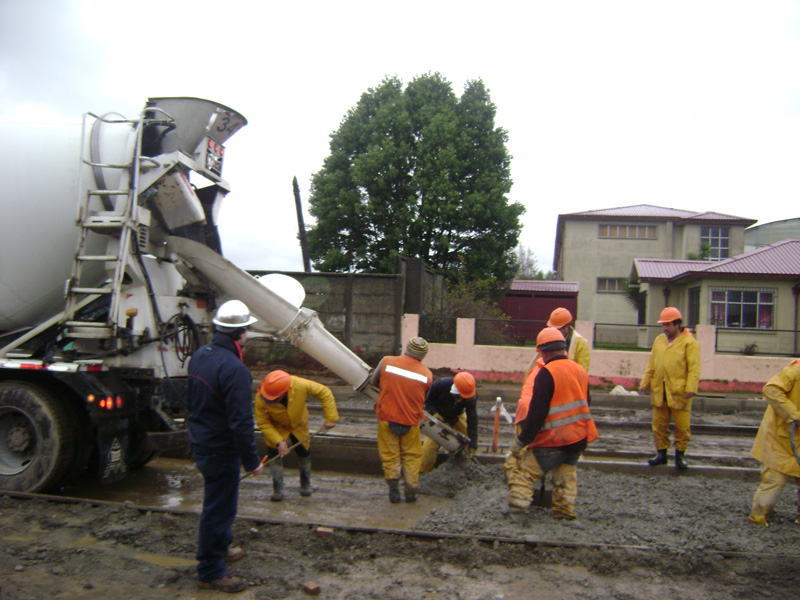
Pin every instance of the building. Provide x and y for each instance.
(752, 299)
(766, 234)
(529, 302)
(596, 248)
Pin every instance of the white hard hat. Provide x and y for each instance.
(233, 314)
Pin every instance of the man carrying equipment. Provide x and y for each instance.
(454, 401)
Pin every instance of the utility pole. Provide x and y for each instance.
(301, 227)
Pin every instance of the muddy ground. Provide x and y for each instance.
(635, 537)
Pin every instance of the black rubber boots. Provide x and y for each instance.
(394, 490)
(276, 467)
(659, 459)
(304, 463)
(680, 460)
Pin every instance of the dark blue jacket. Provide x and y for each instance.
(450, 407)
(220, 419)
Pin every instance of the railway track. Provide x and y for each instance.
(626, 442)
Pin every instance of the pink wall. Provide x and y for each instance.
(719, 372)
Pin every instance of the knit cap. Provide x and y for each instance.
(417, 347)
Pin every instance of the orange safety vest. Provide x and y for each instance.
(403, 384)
(568, 420)
(527, 392)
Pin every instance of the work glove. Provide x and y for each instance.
(516, 449)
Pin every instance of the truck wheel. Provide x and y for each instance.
(37, 438)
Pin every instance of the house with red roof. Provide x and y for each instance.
(751, 298)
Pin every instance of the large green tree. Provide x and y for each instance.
(419, 172)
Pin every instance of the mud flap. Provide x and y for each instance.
(112, 450)
(444, 435)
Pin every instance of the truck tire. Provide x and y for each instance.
(37, 438)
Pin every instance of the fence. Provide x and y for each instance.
(619, 336)
(438, 330)
(611, 336)
(752, 342)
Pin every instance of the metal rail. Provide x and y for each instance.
(530, 541)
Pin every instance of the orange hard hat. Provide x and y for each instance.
(559, 318)
(465, 384)
(275, 385)
(669, 314)
(549, 335)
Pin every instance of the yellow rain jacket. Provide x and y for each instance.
(277, 421)
(772, 447)
(579, 350)
(676, 364)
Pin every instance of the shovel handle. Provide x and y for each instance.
(265, 462)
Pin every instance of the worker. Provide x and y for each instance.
(511, 463)
(454, 401)
(577, 346)
(672, 374)
(556, 430)
(220, 425)
(282, 416)
(403, 382)
(772, 446)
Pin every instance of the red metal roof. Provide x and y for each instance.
(781, 260)
(543, 285)
(778, 260)
(662, 269)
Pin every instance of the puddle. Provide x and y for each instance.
(339, 500)
(17, 538)
(162, 560)
(85, 542)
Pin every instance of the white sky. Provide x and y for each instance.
(692, 105)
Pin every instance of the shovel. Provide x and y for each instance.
(265, 462)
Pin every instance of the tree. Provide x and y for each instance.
(527, 267)
(421, 173)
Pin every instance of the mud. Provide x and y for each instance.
(635, 537)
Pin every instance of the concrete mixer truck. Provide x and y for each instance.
(110, 271)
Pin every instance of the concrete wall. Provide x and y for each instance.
(364, 311)
(719, 372)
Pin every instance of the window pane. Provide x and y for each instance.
(765, 317)
(749, 315)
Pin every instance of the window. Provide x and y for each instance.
(717, 240)
(605, 284)
(742, 308)
(641, 232)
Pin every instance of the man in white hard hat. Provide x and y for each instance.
(220, 424)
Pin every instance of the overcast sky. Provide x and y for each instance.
(692, 105)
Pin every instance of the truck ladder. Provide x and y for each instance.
(118, 220)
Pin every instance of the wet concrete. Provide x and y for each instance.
(339, 500)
